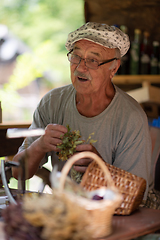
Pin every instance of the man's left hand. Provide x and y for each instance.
(82, 164)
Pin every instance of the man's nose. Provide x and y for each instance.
(82, 64)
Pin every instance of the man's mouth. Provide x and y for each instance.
(82, 79)
(82, 76)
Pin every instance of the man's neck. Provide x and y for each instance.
(93, 105)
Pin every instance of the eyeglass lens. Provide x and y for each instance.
(90, 63)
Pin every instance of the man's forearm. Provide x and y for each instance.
(34, 155)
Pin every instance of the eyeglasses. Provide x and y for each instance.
(89, 62)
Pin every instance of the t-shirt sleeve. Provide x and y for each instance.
(39, 121)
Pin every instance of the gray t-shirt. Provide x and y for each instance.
(121, 130)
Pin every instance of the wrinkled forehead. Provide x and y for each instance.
(86, 45)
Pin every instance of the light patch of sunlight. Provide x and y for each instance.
(35, 183)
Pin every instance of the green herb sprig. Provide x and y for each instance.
(69, 142)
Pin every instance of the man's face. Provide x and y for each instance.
(86, 80)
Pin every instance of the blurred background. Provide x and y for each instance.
(32, 51)
(33, 56)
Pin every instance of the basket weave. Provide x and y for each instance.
(129, 185)
(100, 212)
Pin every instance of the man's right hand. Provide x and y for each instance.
(48, 142)
(37, 150)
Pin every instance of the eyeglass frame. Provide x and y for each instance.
(99, 64)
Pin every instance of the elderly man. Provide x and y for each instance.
(92, 103)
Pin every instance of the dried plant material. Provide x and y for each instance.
(64, 215)
(58, 218)
(68, 147)
(69, 185)
(76, 176)
(69, 142)
(16, 227)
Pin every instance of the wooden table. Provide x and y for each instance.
(140, 223)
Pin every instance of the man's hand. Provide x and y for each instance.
(48, 142)
(82, 164)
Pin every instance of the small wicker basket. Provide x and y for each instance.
(129, 185)
(100, 212)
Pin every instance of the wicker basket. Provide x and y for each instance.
(100, 212)
(131, 186)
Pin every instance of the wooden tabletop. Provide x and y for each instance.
(141, 222)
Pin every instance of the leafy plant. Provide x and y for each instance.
(69, 142)
(68, 147)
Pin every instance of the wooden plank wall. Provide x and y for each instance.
(143, 14)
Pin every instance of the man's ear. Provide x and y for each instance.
(115, 69)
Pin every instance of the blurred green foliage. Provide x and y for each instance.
(43, 25)
(36, 21)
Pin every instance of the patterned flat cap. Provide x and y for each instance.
(107, 36)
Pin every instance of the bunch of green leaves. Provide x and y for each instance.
(69, 142)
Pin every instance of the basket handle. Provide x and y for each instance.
(78, 156)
